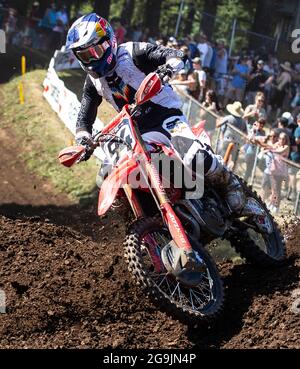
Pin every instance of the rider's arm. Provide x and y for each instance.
(89, 106)
(148, 57)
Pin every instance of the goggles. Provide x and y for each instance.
(92, 53)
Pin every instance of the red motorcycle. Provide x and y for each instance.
(165, 245)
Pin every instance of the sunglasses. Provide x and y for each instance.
(92, 53)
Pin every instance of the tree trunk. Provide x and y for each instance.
(207, 24)
(152, 16)
(127, 12)
(102, 7)
(208, 19)
(262, 23)
(190, 18)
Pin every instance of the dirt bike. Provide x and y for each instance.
(165, 246)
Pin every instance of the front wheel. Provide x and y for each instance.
(143, 244)
(261, 248)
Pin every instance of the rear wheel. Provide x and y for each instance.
(143, 245)
(258, 247)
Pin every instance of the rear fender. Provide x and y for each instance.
(111, 185)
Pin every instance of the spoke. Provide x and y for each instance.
(197, 298)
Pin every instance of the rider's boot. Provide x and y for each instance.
(229, 186)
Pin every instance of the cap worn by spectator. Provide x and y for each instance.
(182, 71)
(196, 60)
(260, 62)
(236, 109)
(287, 66)
(287, 115)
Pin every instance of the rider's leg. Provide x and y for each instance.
(177, 132)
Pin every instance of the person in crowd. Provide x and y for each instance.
(120, 30)
(200, 78)
(211, 105)
(258, 80)
(137, 33)
(32, 37)
(282, 126)
(47, 25)
(180, 81)
(294, 156)
(203, 48)
(279, 170)
(187, 58)
(255, 111)
(10, 25)
(281, 87)
(257, 130)
(238, 84)
(192, 45)
(59, 31)
(270, 141)
(295, 104)
(221, 66)
(228, 135)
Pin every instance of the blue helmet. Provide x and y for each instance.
(94, 44)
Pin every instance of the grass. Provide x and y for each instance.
(42, 135)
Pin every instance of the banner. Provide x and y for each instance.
(64, 102)
(64, 60)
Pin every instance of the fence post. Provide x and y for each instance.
(254, 166)
(232, 36)
(179, 18)
(189, 110)
(297, 203)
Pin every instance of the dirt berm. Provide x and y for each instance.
(67, 286)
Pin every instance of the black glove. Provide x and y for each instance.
(85, 139)
(165, 72)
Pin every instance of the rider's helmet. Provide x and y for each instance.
(92, 40)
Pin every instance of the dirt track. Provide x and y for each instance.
(67, 285)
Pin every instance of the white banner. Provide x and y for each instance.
(64, 60)
(64, 102)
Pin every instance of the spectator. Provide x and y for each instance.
(192, 45)
(257, 81)
(271, 139)
(210, 104)
(279, 170)
(181, 81)
(221, 66)
(282, 126)
(255, 111)
(295, 104)
(257, 130)
(60, 29)
(199, 80)
(228, 135)
(187, 58)
(281, 87)
(120, 31)
(203, 48)
(47, 25)
(238, 84)
(295, 156)
(137, 33)
(10, 25)
(32, 26)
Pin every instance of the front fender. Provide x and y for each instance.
(112, 184)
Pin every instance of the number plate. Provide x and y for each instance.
(113, 151)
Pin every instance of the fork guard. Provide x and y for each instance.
(186, 266)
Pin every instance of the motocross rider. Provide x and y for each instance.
(114, 72)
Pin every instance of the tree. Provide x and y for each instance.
(152, 16)
(188, 22)
(102, 7)
(262, 22)
(207, 24)
(127, 12)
